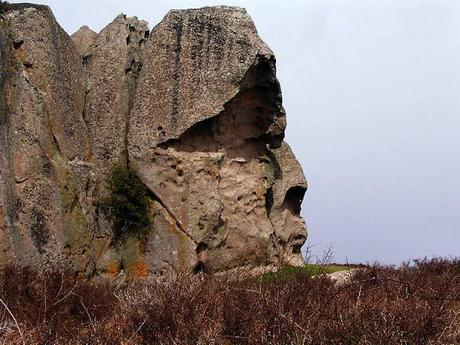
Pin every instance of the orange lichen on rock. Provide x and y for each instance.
(139, 270)
(113, 269)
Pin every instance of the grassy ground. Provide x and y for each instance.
(412, 304)
(309, 270)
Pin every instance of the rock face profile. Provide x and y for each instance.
(193, 107)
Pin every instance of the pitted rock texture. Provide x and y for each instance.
(201, 135)
(194, 107)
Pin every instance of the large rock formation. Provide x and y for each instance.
(44, 140)
(193, 107)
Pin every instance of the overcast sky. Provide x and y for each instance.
(371, 89)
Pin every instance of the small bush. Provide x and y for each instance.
(127, 203)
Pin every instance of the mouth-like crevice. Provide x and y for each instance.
(269, 201)
(293, 199)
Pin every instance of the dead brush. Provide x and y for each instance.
(414, 304)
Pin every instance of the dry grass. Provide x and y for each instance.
(414, 304)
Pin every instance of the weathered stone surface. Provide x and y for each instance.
(200, 58)
(7, 70)
(111, 68)
(84, 39)
(201, 131)
(43, 138)
(31, 199)
(168, 249)
(288, 192)
(193, 107)
(111, 60)
(50, 60)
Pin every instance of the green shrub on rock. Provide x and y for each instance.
(127, 203)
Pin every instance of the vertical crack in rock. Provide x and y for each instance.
(85, 121)
(112, 63)
(136, 40)
(177, 27)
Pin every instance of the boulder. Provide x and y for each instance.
(207, 115)
(194, 108)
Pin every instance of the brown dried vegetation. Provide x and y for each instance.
(413, 304)
(3, 5)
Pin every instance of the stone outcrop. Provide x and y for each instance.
(84, 39)
(193, 107)
(44, 140)
(111, 65)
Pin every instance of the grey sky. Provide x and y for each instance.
(371, 88)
